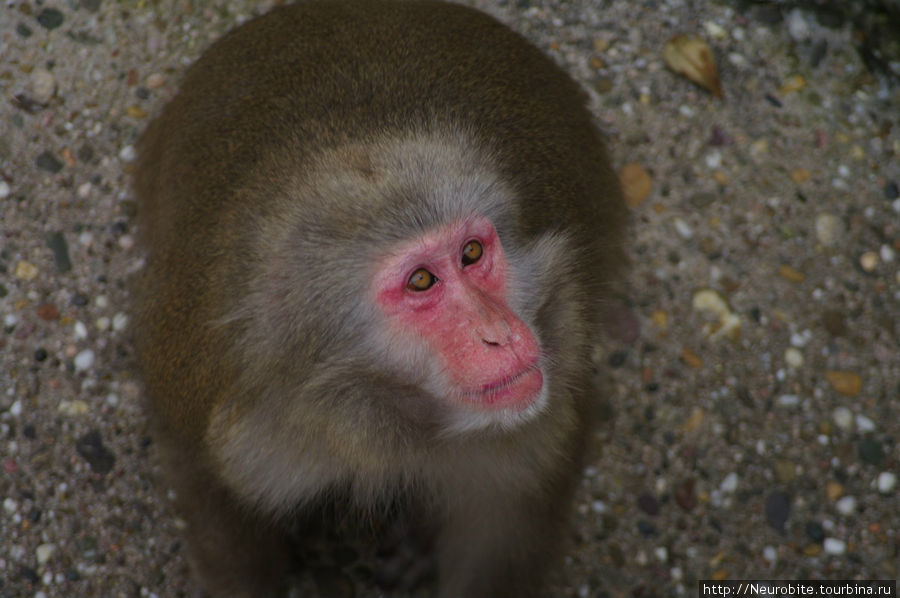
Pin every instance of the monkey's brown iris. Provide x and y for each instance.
(472, 253)
(421, 280)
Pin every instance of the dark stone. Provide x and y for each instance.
(40, 354)
(618, 359)
(815, 532)
(769, 14)
(24, 30)
(890, 190)
(29, 575)
(91, 448)
(50, 18)
(819, 50)
(57, 243)
(773, 100)
(870, 451)
(85, 153)
(685, 495)
(34, 515)
(778, 508)
(91, 5)
(648, 504)
(142, 93)
(646, 529)
(47, 161)
(833, 321)
(29, 432)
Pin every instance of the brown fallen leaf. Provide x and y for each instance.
(690, 56)
(636, 183)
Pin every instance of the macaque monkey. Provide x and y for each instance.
(378, 238)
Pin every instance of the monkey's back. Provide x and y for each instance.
(312, 76)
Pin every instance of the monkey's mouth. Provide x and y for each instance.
(518, 391)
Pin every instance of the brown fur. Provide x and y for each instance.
(300, 148)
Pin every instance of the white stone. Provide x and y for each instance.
(683, 229)
(730, 483)
(842, 417)
(788, 400)
(794, 358)
(44, 552)
(84, 360)
(864, 424)
(835, 547)
(770, 554)
(119, 322)
(128, 153)
(827, 227)
(846, 505)
(4, 190)
(887, 480)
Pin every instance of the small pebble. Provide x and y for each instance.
(44, 552)
(864, 424)
(794, 358)
(887, 480)
(870, 451)
(788, 400)
(778, 508)
(685, 495)
(81, 331)
(791, 274)
(119, 322)
(846, 383)
(770, 554)
(683, 229)
(887, 254)
(842, 417)
(648, 504)
(4, 189)
(50, 18)
(891, 191)
(730, 483)
(128, 153)
(815, 532)
(84, 360)
(827, 229)
(155, 80)
(73, 408)
(846, 505)
(91, 448)
(834, 547)
(56, 241)
(48, 162)
(26, 271)
(868, 261)
(834, 490)
(42, 86)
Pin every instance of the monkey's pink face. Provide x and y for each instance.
(448, 288)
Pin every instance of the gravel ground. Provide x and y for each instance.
(754, 394)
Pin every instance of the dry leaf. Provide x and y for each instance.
(636, 183)
(690, 56)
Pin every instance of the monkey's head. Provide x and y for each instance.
(395, 260)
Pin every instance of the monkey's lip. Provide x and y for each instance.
(517, 391)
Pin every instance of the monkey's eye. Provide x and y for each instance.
(421, 280)
(471, 253)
